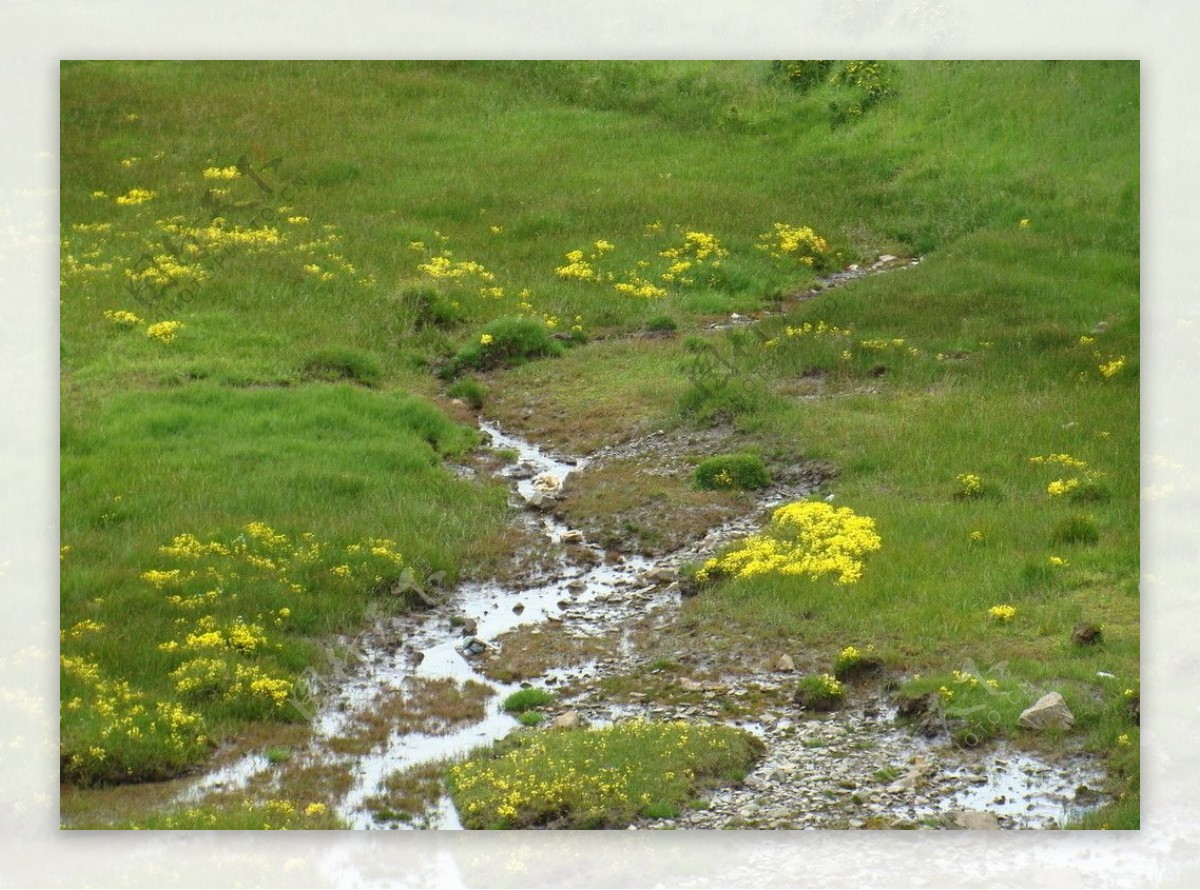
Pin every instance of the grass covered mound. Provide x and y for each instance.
(598, 778)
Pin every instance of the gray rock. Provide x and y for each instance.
(568, 720)
(785, 663)
(1048, 712)
(475, 646)
(975, 820)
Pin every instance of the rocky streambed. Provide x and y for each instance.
(416, 690)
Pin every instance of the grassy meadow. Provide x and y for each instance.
(276, 277)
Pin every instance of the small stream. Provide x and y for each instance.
(817, 771)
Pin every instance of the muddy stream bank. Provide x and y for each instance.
(382, 714)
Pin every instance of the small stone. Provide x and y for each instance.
(886, 258)
(518, 608)
(1048, 712)
(785, 663)
(577, 586)
(574, 536)
(475, 646)
(470, 627)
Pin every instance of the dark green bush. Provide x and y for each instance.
(503, 343)
(661, 324)
(804, 74)
(527, 699)
(428, 308)
(744, 471)
(470, 391)
(1075, 529)
(342, 364)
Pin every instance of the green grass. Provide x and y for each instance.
(301, 390)
(527, 699)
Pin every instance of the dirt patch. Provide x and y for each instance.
(530, 651)
(645, 505)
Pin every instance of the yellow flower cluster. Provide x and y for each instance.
(697, 249)
(80, 629)
(881, 345)
(124, 719)
(237, 635)
(166, 271)
(1112, 367)
(164, 331)
(1059, 487)
(800, 243)
(134, 197)
(636, 286)
(120, 316)
(218, 236)
(1064, 459)
(817, 331)
(806, 538)
(206, 677)
(225, 173)
(444, 266)
(970, 485)
(1002, 613)
(591, 774)
(577, 267)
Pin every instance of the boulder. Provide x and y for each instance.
(569, 720)
(1048, 712)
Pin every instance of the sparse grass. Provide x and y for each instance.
(408, 794)
(526, 653)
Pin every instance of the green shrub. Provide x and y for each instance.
(335, 364)
(527, 699)
(503, 343)
(804, 74)
(427, 308)
(662, 324)
(744, 471)
(470, 391)
(1077, 528)
(820, 692)
(853, 662)
(530, 718)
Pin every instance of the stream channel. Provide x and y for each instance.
(853, 769)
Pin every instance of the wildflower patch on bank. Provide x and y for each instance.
(806, 538)
(598, 778)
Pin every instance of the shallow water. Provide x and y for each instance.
(596, 600)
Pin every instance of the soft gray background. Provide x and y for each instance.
(35, 35)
